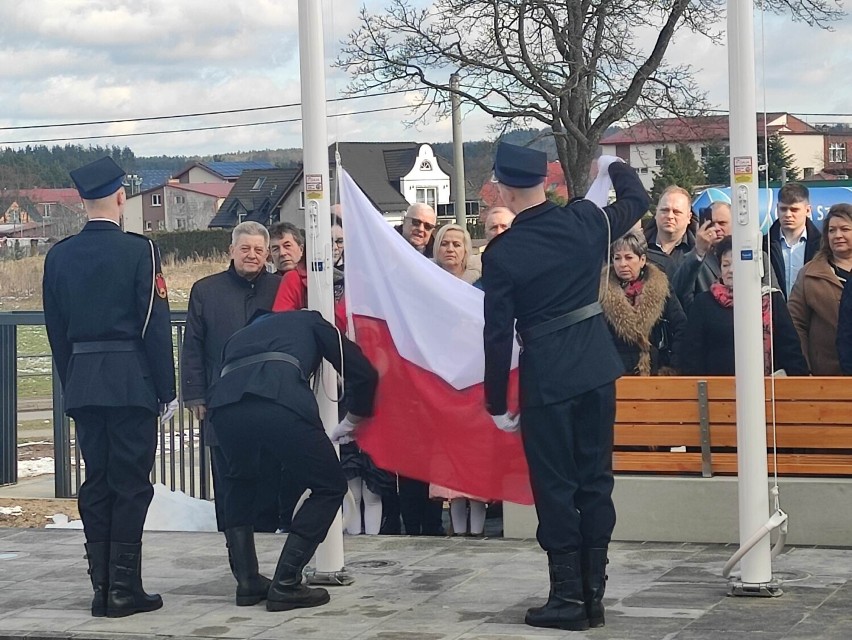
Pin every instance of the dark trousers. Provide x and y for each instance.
(254, 424)
(569, 452)
(265, 498)
(118, 446)
(421, 516)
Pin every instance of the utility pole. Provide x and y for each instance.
(329, 558)
(756, 564)
(458, 155)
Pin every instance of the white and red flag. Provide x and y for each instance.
(422, 329)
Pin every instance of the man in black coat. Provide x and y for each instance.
(263, 402)
(107, 314)
(793, 240)
(545, 273)
(219, 306)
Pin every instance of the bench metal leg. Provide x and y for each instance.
(704, 422)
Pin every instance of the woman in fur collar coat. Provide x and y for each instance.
(645, 319)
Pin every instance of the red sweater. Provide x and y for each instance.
(293, 294)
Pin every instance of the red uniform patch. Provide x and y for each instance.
(160, 282)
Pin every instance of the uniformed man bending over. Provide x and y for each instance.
(107, 316)
(545, 272)
(263, 401)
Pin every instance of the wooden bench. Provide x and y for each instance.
(653, 415)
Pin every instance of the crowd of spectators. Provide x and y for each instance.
(666, 294)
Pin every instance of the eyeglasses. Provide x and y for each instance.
(427, 226)
(338, 241)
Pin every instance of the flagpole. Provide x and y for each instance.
(756, 565)
(329, 557)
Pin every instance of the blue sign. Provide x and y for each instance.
(822, 198)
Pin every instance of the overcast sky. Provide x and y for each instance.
(84, 60)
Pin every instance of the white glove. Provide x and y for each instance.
(507, 422)
(342, 432)
(167, 411)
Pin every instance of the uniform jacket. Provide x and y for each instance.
(639, 330)
(844, 330)
(546, 265)
(219, 305)
(709, 344)
(814, 305)
(106, 285)
(309, 338)
(772, 245)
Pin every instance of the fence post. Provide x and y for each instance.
(61, 442)
(8, 404)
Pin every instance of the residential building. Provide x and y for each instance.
(217, 171)
(175, 206)
(257, 196)
(642, 145)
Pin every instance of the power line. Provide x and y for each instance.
(211, 128)
(193, 115)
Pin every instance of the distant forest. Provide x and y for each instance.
(48, 167)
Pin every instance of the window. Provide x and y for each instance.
(149, 226)
(258, 183)
(429, 195)
(837, 152)
(156, 199)
(643, 169)
(425, 165)
(301, 199)
(180, 199)
(181, 223)
(241, 218)
(658, 155)
(161, 225)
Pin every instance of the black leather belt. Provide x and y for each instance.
(560, 322)
(266, 356)
(106, 346)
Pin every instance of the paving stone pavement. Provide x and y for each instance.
(422, 589)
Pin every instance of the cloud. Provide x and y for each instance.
(80, 60)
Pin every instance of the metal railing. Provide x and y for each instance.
(181, 463)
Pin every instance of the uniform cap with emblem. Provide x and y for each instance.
(519, 167)
(98, 179)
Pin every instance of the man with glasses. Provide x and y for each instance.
(417, 227)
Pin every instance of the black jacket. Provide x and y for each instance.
(219, 306)
(668, 262)
(105, 285)
(546, 265)
(844, 330)
(709, 344)
(772, 245)
(306, 336)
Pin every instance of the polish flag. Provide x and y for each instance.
(422, 329)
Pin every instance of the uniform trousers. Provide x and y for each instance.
(118, 446)
(420, 514)
(568, 446)
(266, 507)
(254, 424)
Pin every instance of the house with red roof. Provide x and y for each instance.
(177, 206)
(642, 145)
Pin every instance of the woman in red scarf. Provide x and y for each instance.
(644, 317)
(709, 345)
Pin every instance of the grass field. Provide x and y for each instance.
(20, 290)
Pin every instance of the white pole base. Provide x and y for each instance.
(340, 578)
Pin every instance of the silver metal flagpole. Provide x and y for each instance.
(756, 565)
(329, 558)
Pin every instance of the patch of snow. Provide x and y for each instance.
(169, 511)
(11, 511)
(31, 468)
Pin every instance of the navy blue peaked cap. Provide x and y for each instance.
(519, 167)
(98, 179)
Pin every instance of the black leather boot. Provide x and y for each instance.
(565, 608)
(97, 553)
(251, 586)
(287, 591)
(126, 595)
(594, 584)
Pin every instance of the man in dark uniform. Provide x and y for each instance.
(545, 273)
(107, 315)
(220, 305)
(263, 402)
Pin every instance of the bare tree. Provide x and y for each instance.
(575, 66)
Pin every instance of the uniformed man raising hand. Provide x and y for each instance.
(107, 314)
